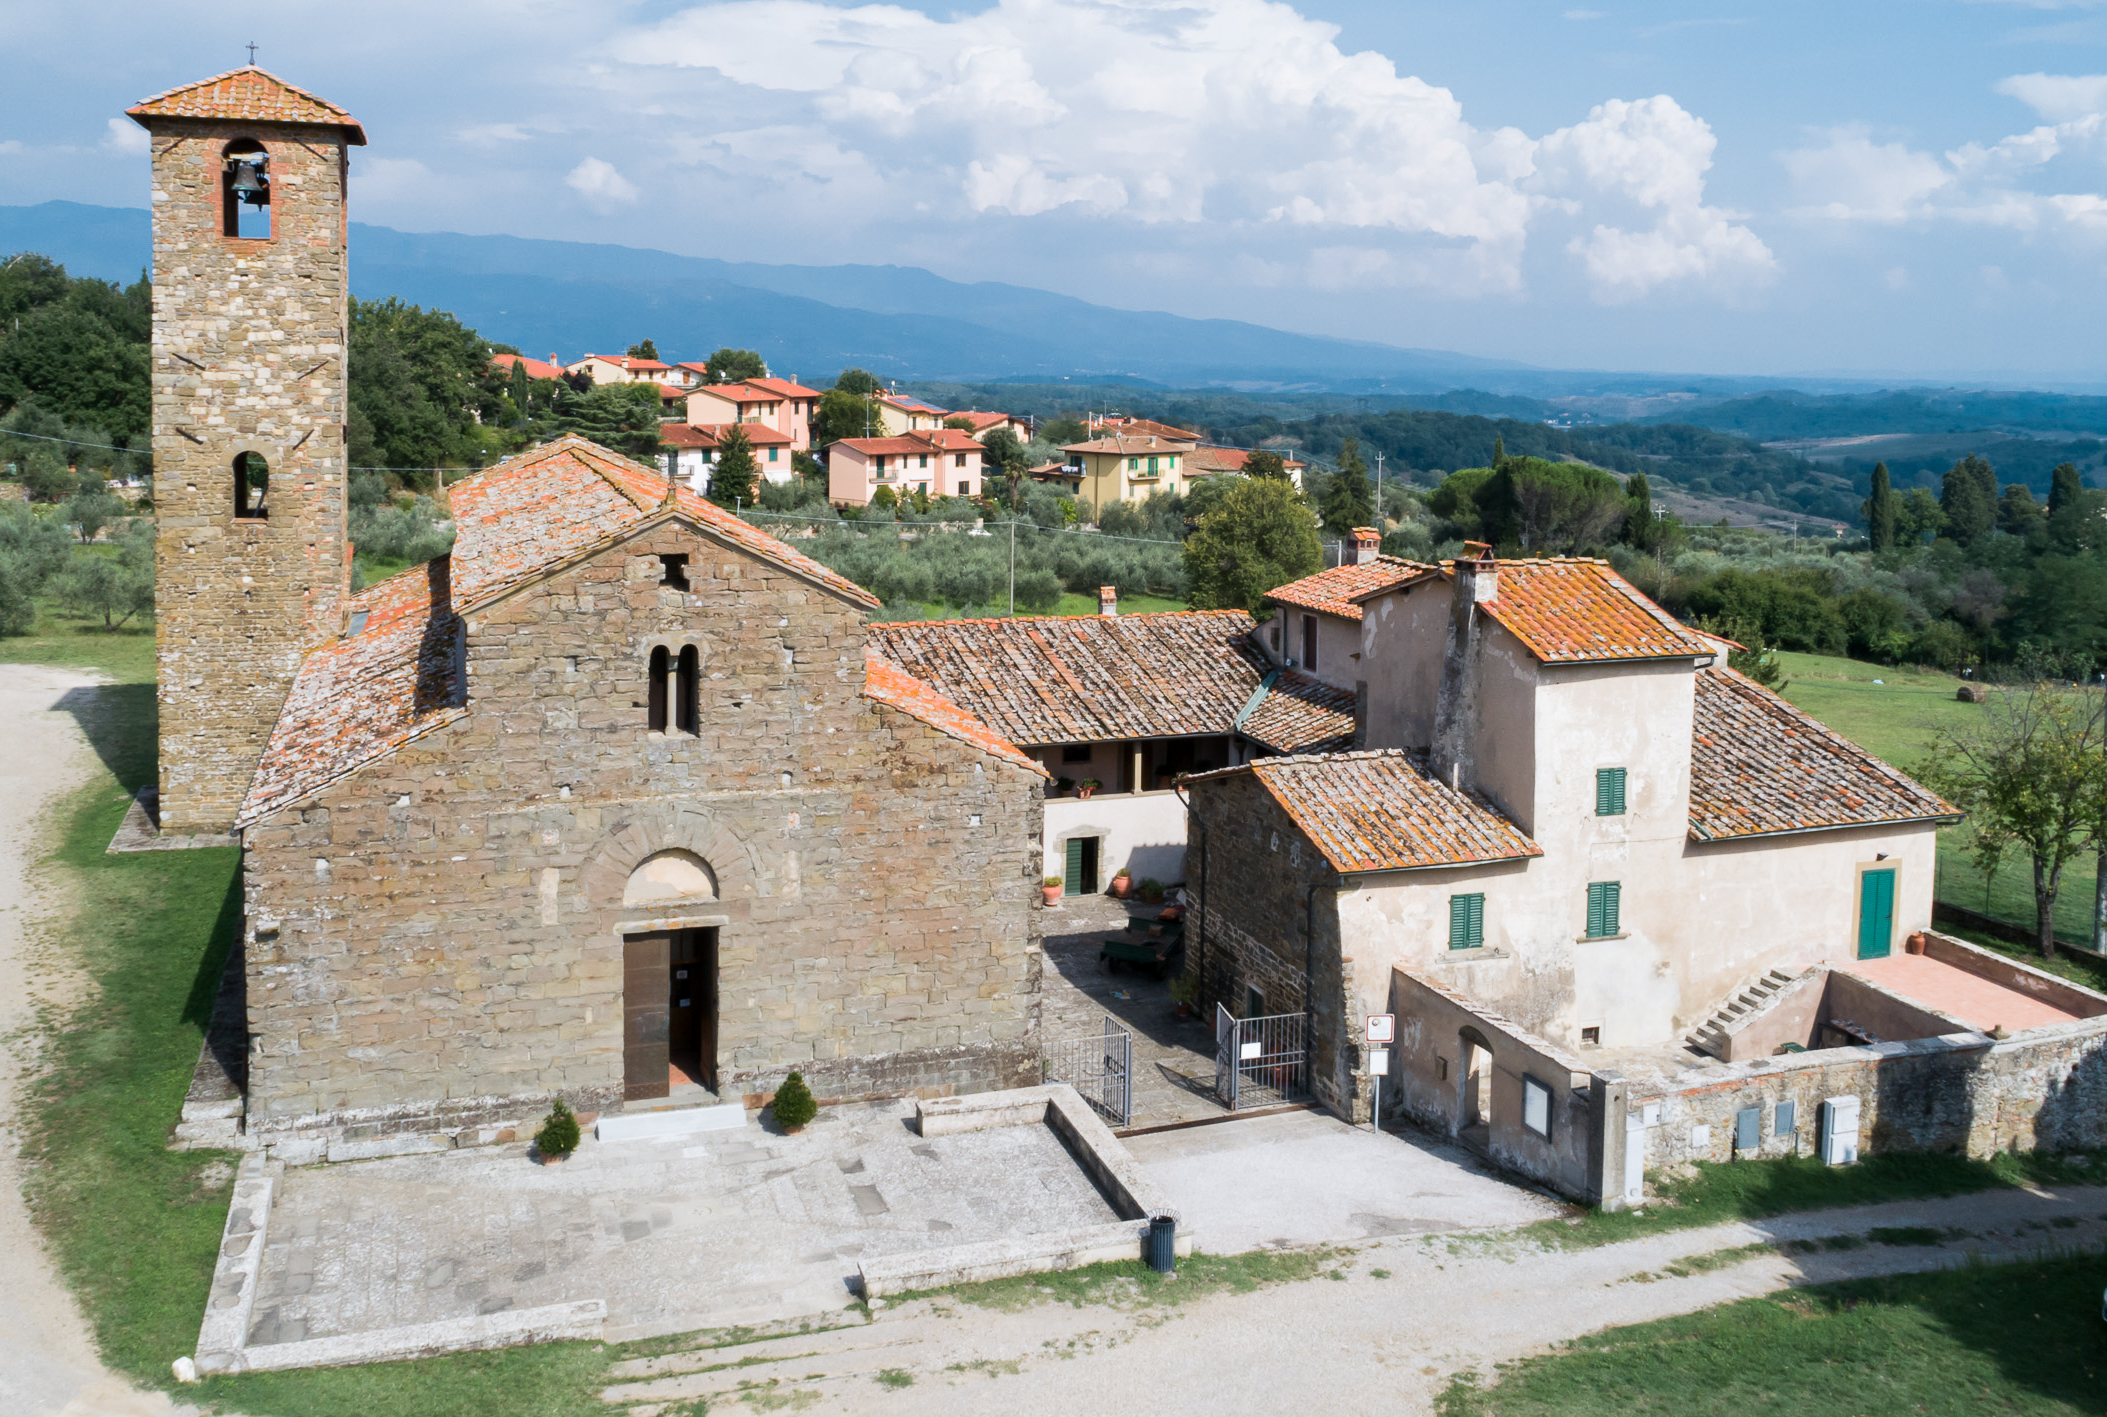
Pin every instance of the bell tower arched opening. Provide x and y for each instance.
(245, 190)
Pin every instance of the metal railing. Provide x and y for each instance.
(1100, 1067)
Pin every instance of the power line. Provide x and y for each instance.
(1029, 526)
(75, 442)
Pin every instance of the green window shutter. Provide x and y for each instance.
(1602, 908)
(1072, 872)
(1609, 792)
(1466, 921)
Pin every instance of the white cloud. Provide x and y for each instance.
(125, 136)
(1241, 117)
(2058, 98)
(1853, 178)
(1654, 155)
(600, 184)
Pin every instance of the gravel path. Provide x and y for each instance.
(48, 1362)
(1361, 1344)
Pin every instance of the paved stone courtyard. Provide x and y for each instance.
(1173, 1057)
(718, 1228)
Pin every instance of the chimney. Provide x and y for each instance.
(1108, 601)
(1476, 581)
(552, 359)
(1367, 544)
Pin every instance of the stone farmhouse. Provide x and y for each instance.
(613, 801)
(1130, 703)
(1585, 863)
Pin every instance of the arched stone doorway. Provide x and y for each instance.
(1473, 1083)
(669, 979)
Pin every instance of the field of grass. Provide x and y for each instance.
(2023, 1338)
(1896, 714)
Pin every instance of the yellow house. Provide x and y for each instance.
(1123, 467)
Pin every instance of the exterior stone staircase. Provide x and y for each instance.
(1709, 1036)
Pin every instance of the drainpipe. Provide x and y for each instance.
(1197, 928)
(1309, 981)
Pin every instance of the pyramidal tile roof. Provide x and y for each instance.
(1576, 609)
(1380, 811)
(1333, 592)
(250, 95)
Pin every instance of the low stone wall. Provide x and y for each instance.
(2011, 974)
(1119, 1177)
(1425, 1083)
(1879, 1010)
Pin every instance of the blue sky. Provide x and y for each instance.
(1896, 190)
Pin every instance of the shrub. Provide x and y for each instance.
(793, 1105)
(559, 1131)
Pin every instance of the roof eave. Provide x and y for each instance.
(1943, 819)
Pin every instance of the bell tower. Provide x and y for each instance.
(252, 564)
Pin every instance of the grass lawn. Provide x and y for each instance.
(2022, 1338)
(1895, 714)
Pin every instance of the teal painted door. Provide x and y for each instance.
(1876, 913)
(1072, 873)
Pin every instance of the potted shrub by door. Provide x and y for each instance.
(1051, 889)
(793, 1105)
(1122, 883)
(558, 1136)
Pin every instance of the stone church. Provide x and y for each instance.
(612, 802)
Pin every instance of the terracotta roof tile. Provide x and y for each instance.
(564, 498)
(784, 388)
(1145, 427)
(927, 440)
(1379, 811)
(249, 95)
(709, 435)
(535, 368)
(1758, 765)
(1575, 609)
(360, 697)
(1213, 457)
(1332, 592)
(1129, 445)
(887, 683)
(1301, 714)
(1095, 678)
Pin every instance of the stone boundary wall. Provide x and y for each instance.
(1425, 1081)
(2012, 974)
(1125, 1186)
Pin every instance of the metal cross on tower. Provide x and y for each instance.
(252, 54)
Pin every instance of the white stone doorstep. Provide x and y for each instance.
(681, 1122)
(1004, 1259)
(582, 1318)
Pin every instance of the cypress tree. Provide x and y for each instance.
(732, 477)
(2064, 485)
(1968, 496)
(1347, 500)
(1499, 450)
(1880, 510)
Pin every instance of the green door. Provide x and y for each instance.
(1876, 913)
(1072, 876)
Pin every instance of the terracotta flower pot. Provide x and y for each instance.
(1122, 887)
(557, 1159)
(1051, 893)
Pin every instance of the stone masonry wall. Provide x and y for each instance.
(249, 341)
(437, 940)
(1267, 926)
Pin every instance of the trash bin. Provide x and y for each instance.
(1161, 1246)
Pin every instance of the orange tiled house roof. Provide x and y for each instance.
(1760, 766)
(1575, 609)
(1333, 592)
(1379, 811)
(1301, 714)
(249, 95)
(1095, 678)
(887, 683)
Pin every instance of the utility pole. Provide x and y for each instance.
(1013, 563)
(1378, 489)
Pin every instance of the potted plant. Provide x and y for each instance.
(558, 1136)
(1122, 883)
(1151, 889)
(1051, 889)
(1061, 786)
(1087, 786)
(793, 1105)
(1184, 990)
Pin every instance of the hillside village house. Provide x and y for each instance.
(1129, 702)
(1122, 467)
(778, 403)
(943, 462)
(620, 369)
(536, 369)
(1572, 832)
(902, 413)
(691, 450)
(1316, 624)
(1207, 459)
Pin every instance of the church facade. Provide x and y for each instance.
(611, 803)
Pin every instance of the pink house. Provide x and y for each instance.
(690, 451)
(778, 403)
(620, 369)
(944, 462)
